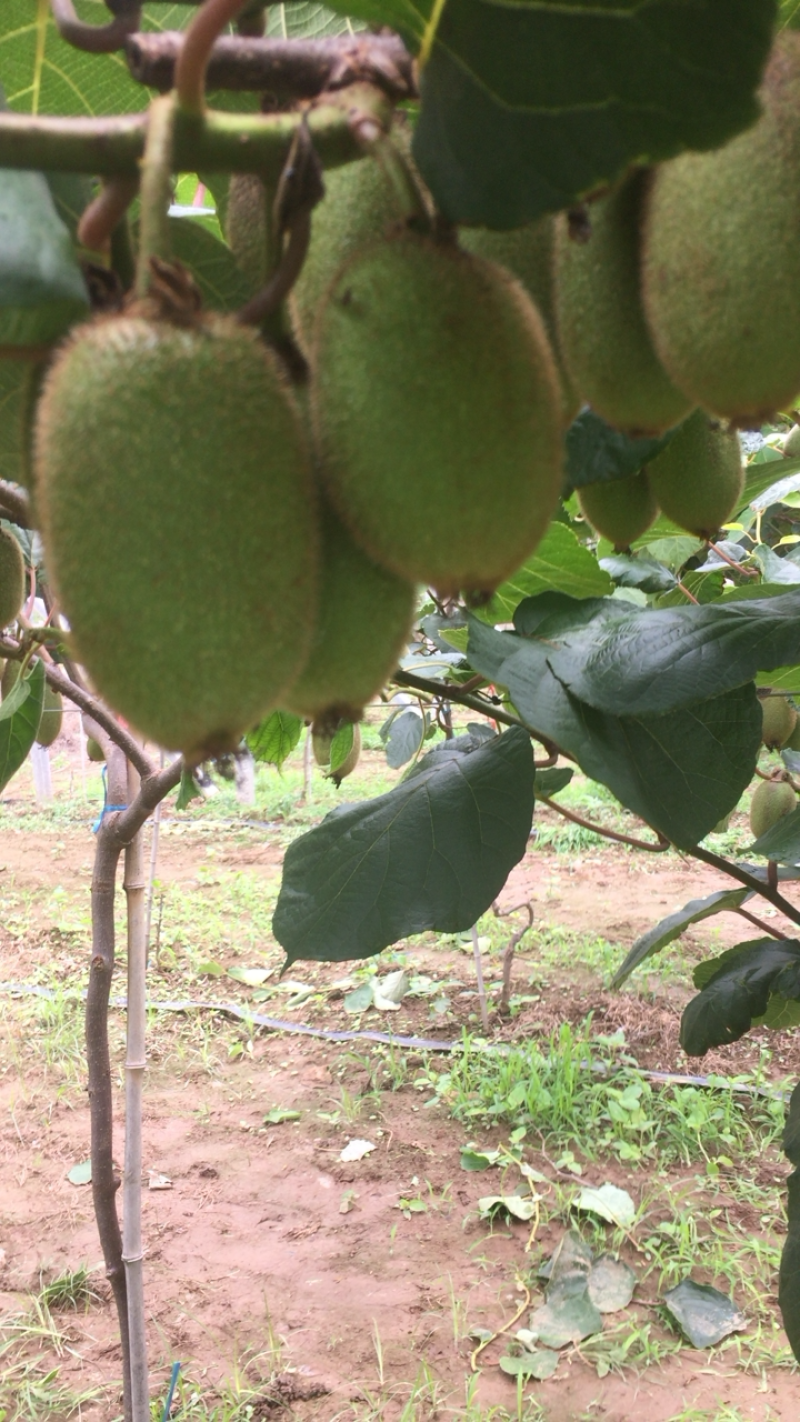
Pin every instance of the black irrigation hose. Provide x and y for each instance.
(424, 1044)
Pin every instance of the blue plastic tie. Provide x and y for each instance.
(173, 1382)
(107, 809)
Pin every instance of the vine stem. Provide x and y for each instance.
(192, 63)
(105, 212)
(474, 703)
(733, 870)
(135, 1064)
(154, 240)
(659, 848)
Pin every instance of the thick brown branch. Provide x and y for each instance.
(660, 847)
(286, 70)
(743, 877)
(14, 504)
(95, 39)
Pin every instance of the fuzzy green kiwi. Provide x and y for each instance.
(529, 254)
(179, 522)
(437, 413)
(360, 204)
(721, 263)
(697, 478)
(9, 678)
(602, 330)
(772, 799)
(12, 577)
(619, 509)
(779, 719)
(51, 717)
(363, 622)
(791, 444)
(247, 226)
(322, 736)
(94, 750)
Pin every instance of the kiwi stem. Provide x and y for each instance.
(222, 143)
(123, 259)
(410, 202)
(154, 238)
(746, 572)
(660, 847)
(759, 923)
(190, 70)
(767, 891)
(105, 212)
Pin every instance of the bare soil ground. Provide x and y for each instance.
(268, 1257)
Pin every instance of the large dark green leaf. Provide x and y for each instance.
(791, 1129)
(596, 453)
(639, 570)
(560, 563)
(681, 772)
(20, 714)
(655, 660)
(42, 290)
(737, 991)
(674, 925)
(528, 106)
(432, 853)
(789, 1277)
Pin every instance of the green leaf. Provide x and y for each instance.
(520, 1207)
(789, 14)
(782, 842)
(560, 563)
(20, 714)
(736, 991)
(638, 570)
(674, 925)
(405, 736)
(611, 1284)
(704, 1314)
(597, 453)
(680, 772)
(222, 285)
(774, 568)
(539, 1363)
(548, 782)
(273, 740)
(791, 1131)
(789, 1277)
(610, 1203)
(432, 853)
(187, 790)
(656, 660)
(510, 129)
(42, 290)
(42, 74)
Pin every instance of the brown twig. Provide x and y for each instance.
(105, 211)
(287, 70)
(660, 847)
(452, 692)
(504, 1000)
(95, 39)
(104, 718)
(735, 872)
(746, 572)
(759, 923)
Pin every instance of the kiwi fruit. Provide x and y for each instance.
(360, 204)
(94, 750)
(779, 719)
(697, 479)
(322, 736)
(529, 254)
(602, 330)
(9, 678)
(772, 799)
(12, 577)
(247, 226)
(179, 523)
(364, 618)
(437, 413)
(619, 509)
(51, 717)
(791, 444)
(721, 260)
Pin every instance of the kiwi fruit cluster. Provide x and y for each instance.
(12, 578)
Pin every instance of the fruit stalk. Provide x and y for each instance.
(190, 70)
(154, 235)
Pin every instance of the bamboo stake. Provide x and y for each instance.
(135, 1064)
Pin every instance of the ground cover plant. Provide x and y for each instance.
(344, 366)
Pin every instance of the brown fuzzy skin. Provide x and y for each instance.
(697, 479)
(12, 578)
(180, 523)
(721, 265)
(620, 509)
(437, 413)
(603, 334)
(779, 719)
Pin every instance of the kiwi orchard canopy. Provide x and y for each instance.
(444, 403)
